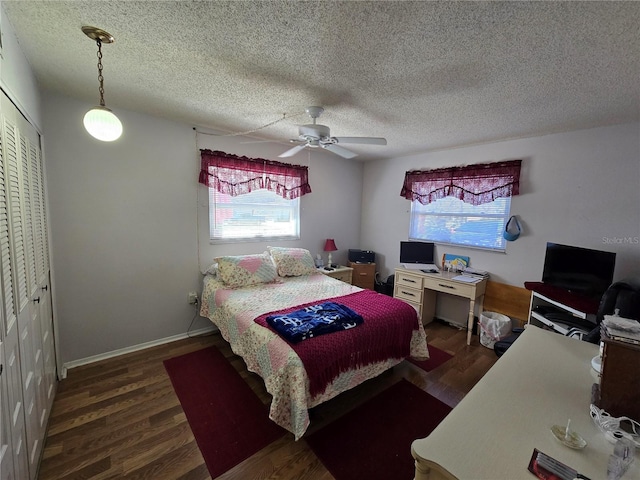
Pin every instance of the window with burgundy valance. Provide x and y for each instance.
(234, 175)
(252, 198)
(466, 205)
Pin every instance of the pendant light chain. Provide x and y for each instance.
(101, 123)
(100, 77)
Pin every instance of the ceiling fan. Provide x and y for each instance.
(315, 135)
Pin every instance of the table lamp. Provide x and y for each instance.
(330, 246)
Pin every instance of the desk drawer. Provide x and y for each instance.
(449, 286)
(410, 280)
(411, 295)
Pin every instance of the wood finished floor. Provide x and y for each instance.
(120, 418)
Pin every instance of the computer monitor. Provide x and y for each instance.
(416, 252)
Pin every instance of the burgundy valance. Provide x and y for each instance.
(473, 184)
(236, 175)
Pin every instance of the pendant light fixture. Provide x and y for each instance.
(100, 122)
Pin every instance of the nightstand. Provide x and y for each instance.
(341, 273)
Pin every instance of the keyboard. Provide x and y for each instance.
(420, 266)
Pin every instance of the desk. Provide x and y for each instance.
(420, 290)
(542, 380)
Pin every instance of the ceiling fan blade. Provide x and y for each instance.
(362, 140)
(292, 151)
(343, 152)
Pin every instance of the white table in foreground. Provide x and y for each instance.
(544, 379)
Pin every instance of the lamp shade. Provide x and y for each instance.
(330, 245)
(102, 124)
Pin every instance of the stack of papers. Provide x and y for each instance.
(621, 329)
(467, 278)
(476, 273)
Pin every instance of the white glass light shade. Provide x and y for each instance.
(102, 124)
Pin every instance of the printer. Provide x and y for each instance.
(361, 256)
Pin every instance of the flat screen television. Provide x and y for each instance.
(416, 252)
(578, 270)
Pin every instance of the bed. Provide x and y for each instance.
(240, 292)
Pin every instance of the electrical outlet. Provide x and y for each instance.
(193, 298)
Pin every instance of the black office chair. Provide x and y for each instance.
(623, 296)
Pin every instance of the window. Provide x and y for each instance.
(467, 205)
(252, 198)
(258, 215)
(450, 220)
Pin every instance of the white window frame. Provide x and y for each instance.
(263, 230)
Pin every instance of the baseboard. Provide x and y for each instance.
(133, 348)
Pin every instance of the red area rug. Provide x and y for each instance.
(374, 440)
(229, 422)
(436, 358)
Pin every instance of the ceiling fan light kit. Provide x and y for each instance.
(315, 135)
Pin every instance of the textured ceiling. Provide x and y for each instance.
(424, 75)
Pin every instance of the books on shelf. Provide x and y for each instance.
(621, 329)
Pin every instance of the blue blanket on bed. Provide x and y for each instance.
(314, 320)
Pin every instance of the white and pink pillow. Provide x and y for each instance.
(245, 270)
(292, 262)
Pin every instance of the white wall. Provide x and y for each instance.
(122, 217)
(16, 77)
(125, 222)
(579, 188)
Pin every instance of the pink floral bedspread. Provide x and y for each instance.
(233, 311)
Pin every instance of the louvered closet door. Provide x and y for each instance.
(30, 141)
(11, 370)
(38, 295)
(25, 329)
(17, 139)
(42, 285)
